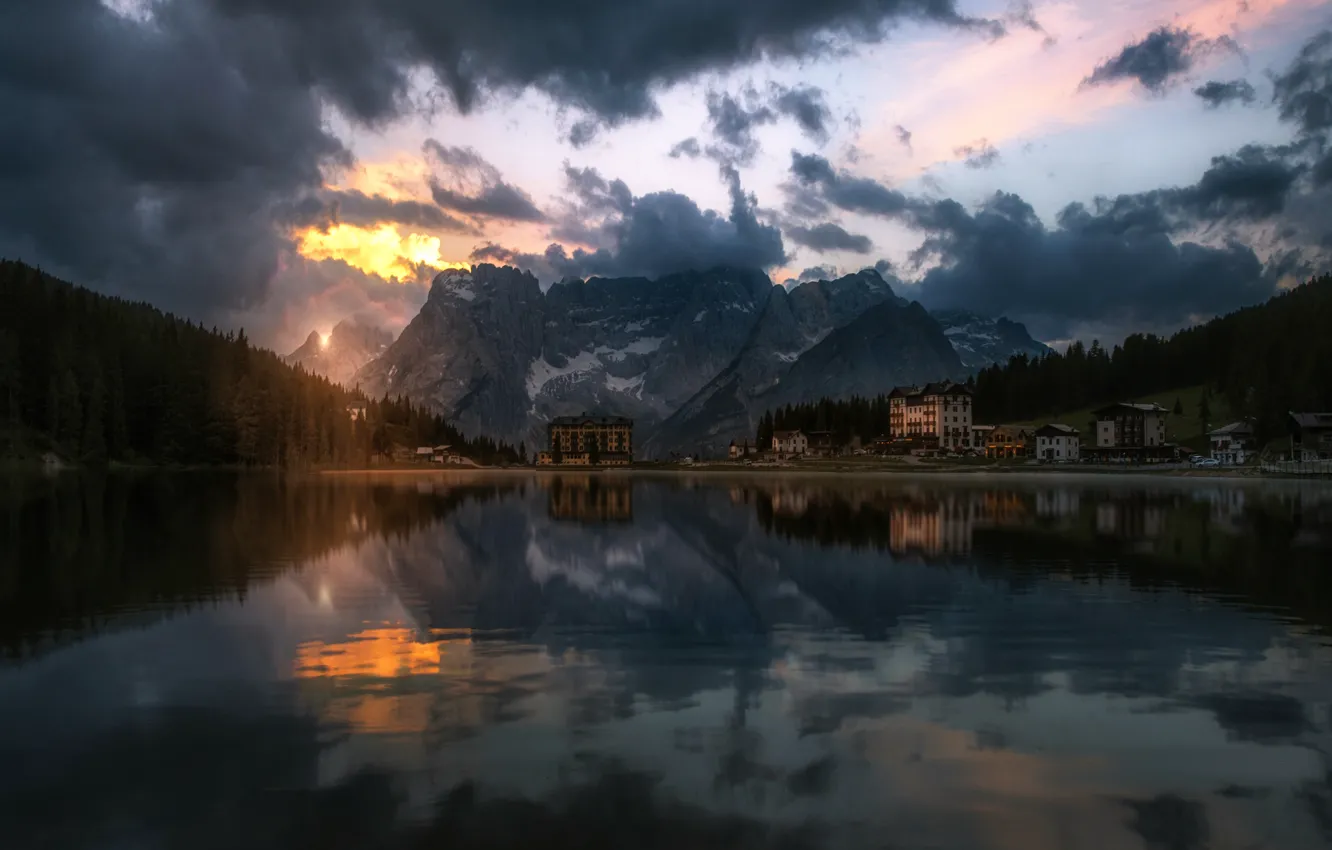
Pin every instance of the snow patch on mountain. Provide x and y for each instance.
(632, 385)
(645, 345)
(542, 372)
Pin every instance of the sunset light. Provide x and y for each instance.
(382, 250)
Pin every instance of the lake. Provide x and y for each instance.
(467, 660)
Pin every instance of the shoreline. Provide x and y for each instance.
(908, 471)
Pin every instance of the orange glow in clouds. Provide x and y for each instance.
(382, 250)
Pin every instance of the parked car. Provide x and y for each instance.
(1209, 461)
(1194, 459)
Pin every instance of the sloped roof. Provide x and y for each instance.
(1145, 408)
(1232, 428)
(785, 435)
(1312, 420)
(1056, 429)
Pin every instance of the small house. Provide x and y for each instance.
(787, 443)
(1055, 442)
(425, 454)
(1008, 441)
(1232, 444)
(743, 449)
(1310, 436)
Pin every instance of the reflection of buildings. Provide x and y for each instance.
(590, 499)
(788, 501)
(1130, 520)
(942, 527)
(1054, 504)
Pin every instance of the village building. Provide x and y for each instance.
(789, 443)
(980, 436)
(743, 449)
(356, 413)
(1232, 444)
(425, 454)
(1130, 433)
(822, 443)
(589, 440)
(1008, 441)
(938, 413)
(1055, 442)
(1310, 436)
(439, 454)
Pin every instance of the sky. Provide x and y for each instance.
(1091, 169)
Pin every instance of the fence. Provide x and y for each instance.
(1297, 467)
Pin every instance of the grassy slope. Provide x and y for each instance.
(1185, 430)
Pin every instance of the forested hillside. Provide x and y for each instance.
(99, 379)
(1262, 362)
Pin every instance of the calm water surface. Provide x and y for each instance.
(460, 662)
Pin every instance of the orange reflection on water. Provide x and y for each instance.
(381, 653)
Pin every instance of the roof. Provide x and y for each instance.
(441, 448)
(1055, 429)
(588, 419)
(1312, 420)
(785, 435)
(1145, 408)
(983, 427)
(1232, 428)
(424, 450)
(937, 388)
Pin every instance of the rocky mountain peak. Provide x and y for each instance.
(350, 345)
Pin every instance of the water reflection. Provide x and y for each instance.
(474, 661)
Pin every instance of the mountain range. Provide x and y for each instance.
(694, 358)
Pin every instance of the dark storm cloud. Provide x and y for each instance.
(157, 161)
(603, 58)
(649, 235)
(1216, 94)
(686, 147)
(465, 182)
(980, 154)
(808, 107)
(735, 118)
(349, 206)
(1002, 260)
(1156, 61)
(1303, 92)
(822, 184)
(1113, 263)
(829, 237)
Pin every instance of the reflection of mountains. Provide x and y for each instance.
(77, 552)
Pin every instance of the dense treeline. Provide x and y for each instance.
(866, 418)
(1264, 360)
(99, 379)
